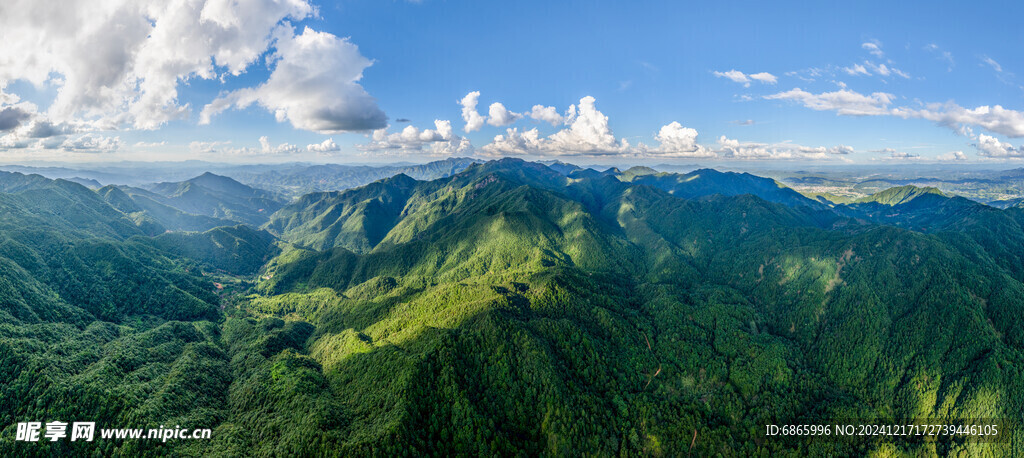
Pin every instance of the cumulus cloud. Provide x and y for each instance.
(440, 141)
(12, 117)
(847, 102)
(989, 146)
(266, 148)
(546, 114)
(587, 134)
(498, 115)
(119, 62)
(91, 143)
(735, 149)
(324, 148)
(314, 85)
(844, 102)
(952, 156)
(764, 77)
(994, 119)
(737, 76)
(677, 141)
(516, 143)
(474, 121)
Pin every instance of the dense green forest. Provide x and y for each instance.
(510, 309)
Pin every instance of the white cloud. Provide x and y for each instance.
(498, 115)
(474, 121)
(991, 147)
(856, 69)
(952, 156)
(994, 119)
(313, 85)
(119, 62)
(873, 47)
(588, 134)
(91, 143)
(677, 141)
(546, 114)
(846, 102)
(325, 147)
(737, 76)
(764, 77)
(570, 115)
(515, 143)
(868, 68)
(209, 147)
(149, 144)
(267, 148)
(734, 149)
(992, 63)
(843, 101)
(440, 141)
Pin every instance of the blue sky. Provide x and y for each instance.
(842, 82)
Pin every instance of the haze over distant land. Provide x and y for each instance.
(303, 80)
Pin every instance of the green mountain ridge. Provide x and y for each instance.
(513, 308)
(899, 195)
(219, 197)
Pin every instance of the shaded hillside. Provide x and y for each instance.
(218, 197)
(704, 182)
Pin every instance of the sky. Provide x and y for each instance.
(579, 81)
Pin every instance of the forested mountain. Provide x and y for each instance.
(513, 308)
(704, 182)
(219, 197)
(147, 211)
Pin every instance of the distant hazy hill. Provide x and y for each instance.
(219, 197)
(899, 195)
(336, 177)
(705, 182)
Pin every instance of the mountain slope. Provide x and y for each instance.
(218, 197)
(898, 195)
(511, 309)
(509, 305)
(704, 182)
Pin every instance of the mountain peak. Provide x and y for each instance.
(899, 195)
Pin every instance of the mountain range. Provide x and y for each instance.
(505, 308)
